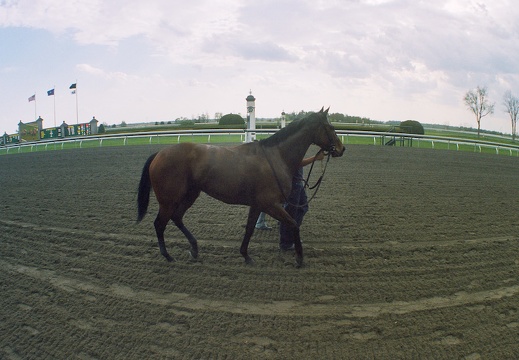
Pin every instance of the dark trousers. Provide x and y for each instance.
(297, 207)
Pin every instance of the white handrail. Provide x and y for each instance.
(344, 134)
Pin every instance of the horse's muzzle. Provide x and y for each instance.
(337, 153)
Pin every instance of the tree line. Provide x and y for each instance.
(334, 117)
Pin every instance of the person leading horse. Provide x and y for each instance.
(257, 174)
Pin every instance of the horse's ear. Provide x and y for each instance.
(322, 109)
(326, 111)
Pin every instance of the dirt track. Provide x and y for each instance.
(409, 254)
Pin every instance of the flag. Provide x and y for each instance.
(32, 98)
(73, 88)
(50, 92)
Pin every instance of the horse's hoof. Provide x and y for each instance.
(194, 255)
(249, 261)
(169, 258)
(299, 263)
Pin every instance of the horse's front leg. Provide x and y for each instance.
(249, 230)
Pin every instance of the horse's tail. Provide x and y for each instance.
(143, 197)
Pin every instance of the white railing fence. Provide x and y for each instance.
(237, 135)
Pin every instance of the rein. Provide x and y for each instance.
(315, 186)
(318, 183)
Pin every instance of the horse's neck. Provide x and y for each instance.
(293, 150)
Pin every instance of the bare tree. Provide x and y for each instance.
(477, 102)
(511, 104)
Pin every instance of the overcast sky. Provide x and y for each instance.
(158, 60)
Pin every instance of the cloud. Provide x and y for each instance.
(252, 49)
(398, 50)
(8, 69)
(109, 75)
(90, 69)
(350, 39)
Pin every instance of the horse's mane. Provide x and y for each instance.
(287, 131)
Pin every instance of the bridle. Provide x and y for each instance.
(331, 148)
(328, 152)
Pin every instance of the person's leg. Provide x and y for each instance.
(261, 223)
(302, 207)
(286, 236)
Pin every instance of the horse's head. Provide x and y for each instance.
(325, 136)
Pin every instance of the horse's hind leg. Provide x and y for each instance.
(160, 226)
(249, 230)
(189, 199)
(190, 238)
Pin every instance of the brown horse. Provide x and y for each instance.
(257, 174)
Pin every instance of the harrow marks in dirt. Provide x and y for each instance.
(409, 254)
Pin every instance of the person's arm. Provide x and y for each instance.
(311, 159)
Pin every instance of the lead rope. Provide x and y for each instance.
(318, 183)
(316, 186)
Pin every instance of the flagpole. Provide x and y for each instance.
(35, 112)
(54, 96)
(77, 109)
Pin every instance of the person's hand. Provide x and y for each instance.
(320, 155)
